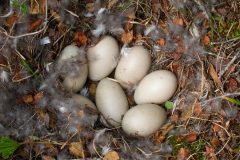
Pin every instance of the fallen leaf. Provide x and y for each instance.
(191, 137)
(214, 75)
(28, 99)
(197, 108)
(215, 142)
(35, 25)
(11, 20)
(160, 135)
(232, 84)
(161, 42)
(178, 21)
(216, 128)
(210, 152)
(127, 37)
(206, 40)
(76, 149)
(182, 154)
(80, 38)
(92, 89)
(112, 155)
(37, 97)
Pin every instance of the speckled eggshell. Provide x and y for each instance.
(102, 58)
(133, 66)
(143, 120)
(111, 101)
(156, 87)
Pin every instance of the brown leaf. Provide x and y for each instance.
(159, 136)
(182, 154)
(35, 25)
(37, 7)
(214, 75)
(191, 137)
(211, 153)
(232, 84)
(28, 99)
(127, 37)
(216, 128)
(215, 142)
(161, 42)
(92, 89)
(206, 40)
(178, 21)
(76, 149)
(112, 155)
(197, 108)
(80, 38)
(37, 97)
(11, 20)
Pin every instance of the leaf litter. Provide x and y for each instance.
(185, 37)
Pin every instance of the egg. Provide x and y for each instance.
(133, 66)
(83, 101)
(143, 120)
(74, 62)
(102, 58)
(156, 87)
(111, 101)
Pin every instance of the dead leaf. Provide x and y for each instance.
(80, 38)
(159, 136)
(37, 97)
(216, 128)
(183, 154)
(11, 20)
(232, 84)
(37, 7)
(214, 75)
(161, 42)
(197, 108)
(127, 37)
(76, 149)
(35, 25)
(210, 152)
(215, 142)
(28, 99)
(178, 21)
(92, 89)
(191, 137)
(206, 40)
(112, 155)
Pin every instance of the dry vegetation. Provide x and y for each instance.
(198, 40)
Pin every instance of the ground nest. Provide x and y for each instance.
(199, 41)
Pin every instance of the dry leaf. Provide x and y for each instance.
(182, 154)
(214, 75)
(80, 38)
(161, 42)
(210, 153)
(159, 136)
(35, 25)
(11, 20)
(28, 99)
(197, 108)
(127, 37)
(216, 128)
(76, 149)
(112, 155)
(178, 21)
(215, 142)
(37, 6)
(37, 97)
(191, 137)
(92, 89)
(206, 40)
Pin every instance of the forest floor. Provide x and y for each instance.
(198, 40)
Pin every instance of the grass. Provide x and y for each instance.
(197, 147)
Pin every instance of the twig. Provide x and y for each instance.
(229, 64)
(32, 33)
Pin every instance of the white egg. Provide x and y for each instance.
(71, 57)
(83, 101)
(111, 101)
(156, 87)
(133, 66)
(143, 120)
(103, 58)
